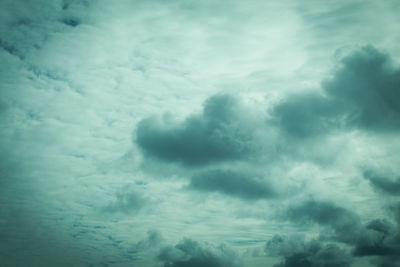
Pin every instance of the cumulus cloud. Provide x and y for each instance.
(298, 252)
(189, 253)
(341, 220)
(304, 115)
(362, 93)
(238, 184)
(219, 133)
(376, 238)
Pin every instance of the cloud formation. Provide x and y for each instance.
(237, 184)
(341, 220)
(377, 238)
(218, 134)
(384, 184)
(189, 253)
(68, 108)
(298, 252)
(363, 93)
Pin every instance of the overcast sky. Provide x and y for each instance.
(199, 133)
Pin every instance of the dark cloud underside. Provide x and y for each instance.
(382, 183)
(378, 238)
(297, 252)
(217, 134)
(232, 183)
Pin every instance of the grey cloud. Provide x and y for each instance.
(219, 133)
(189, 253)
(363, 93)
(341, 220)
(27, 26)
(297, 252)
(238, 184)
(382, 183)
(304, 115)
(11, 49)
(376, 238)
(367, 87)
(395, 211)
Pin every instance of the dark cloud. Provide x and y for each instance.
(377, 238)
(243, 185)
(363, 93)
(304, 115)
(11, 49)
(395, 211)
(219, 133)
(71, 22)
(382, 183)
(189, 253)
(344, 222)
(299, 253)
(367, 86)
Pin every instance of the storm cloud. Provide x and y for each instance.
(363, 93)
(376, 238)
(298, 252)
(219, 133)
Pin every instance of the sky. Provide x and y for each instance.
(199, 133)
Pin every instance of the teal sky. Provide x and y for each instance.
(199, 133)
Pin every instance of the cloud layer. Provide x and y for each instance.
(262, 136)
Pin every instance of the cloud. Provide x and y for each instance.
(152, 241)
(237, 184)
(340, 219)
(189, 253)
(298, 252)
(71, 22)
(154, 238)
(363, 93)
(377, 238)
(382, 183)
(27, 25)
(127, 202)
(304, 115)
(367, 87)
(218, 134)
